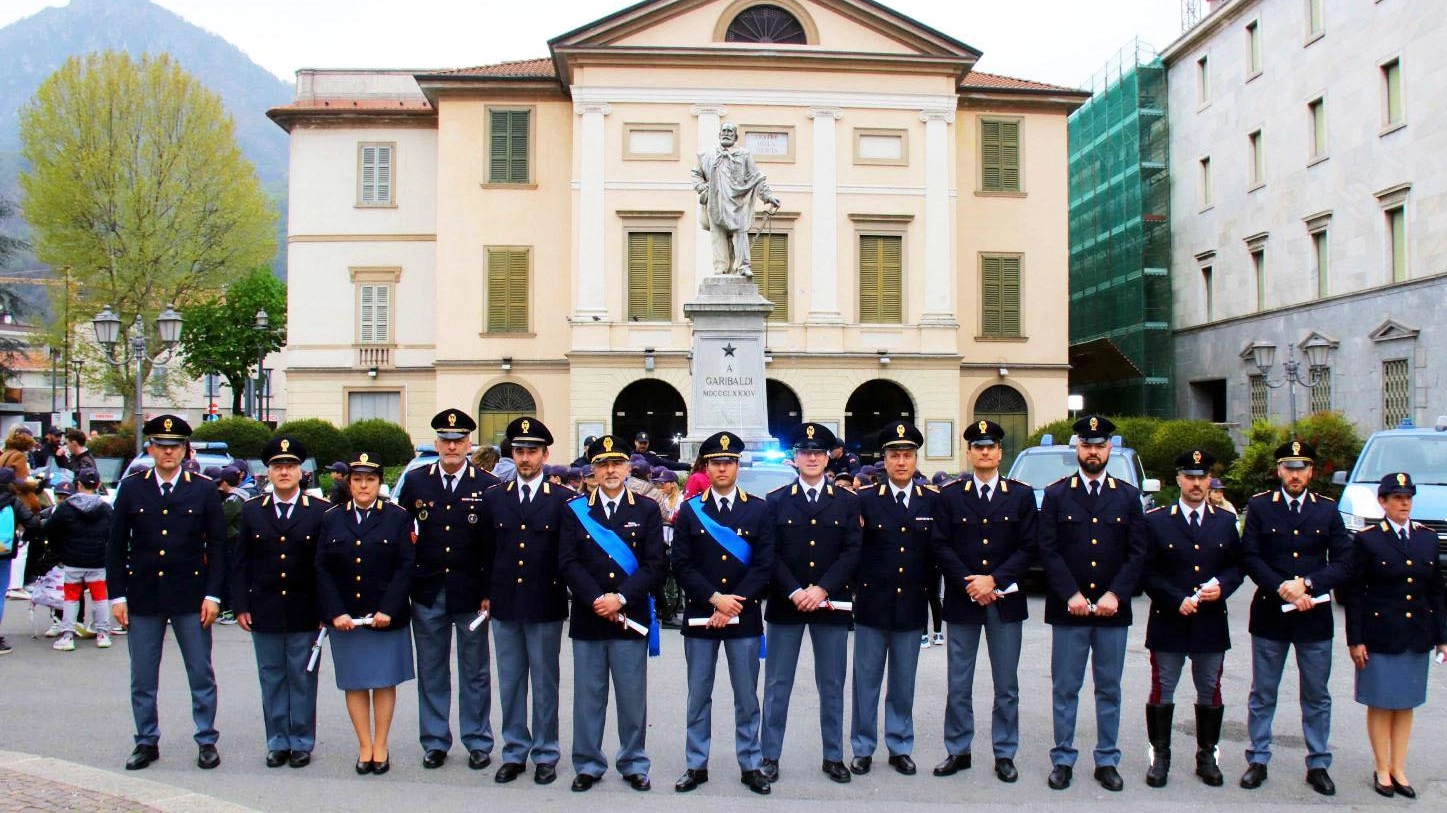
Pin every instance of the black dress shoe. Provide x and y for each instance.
(1321, 782)
(770, 769)
(755, 781)
(1383, 790)
(1060, 777)
(141, 757)
(583, 782)
(508, 771)
(860, 765)
(364, 766)
(545, 774)
(433, 758)
(207, 758)
(639, 782)
(903, 764)
(276, 759)
(836, 771)
(1403, 790)
(1005, 769)
(299, 759)
(953, 764)
(382, 766)
(1109, 778)
(477, 759)
(691, 779)
(1255, 775)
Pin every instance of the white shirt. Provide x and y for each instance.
(357, 510)
(456, 476)
(160, 480)
(534, 486)
(1300, 501)
(1199, 511)
(610, 504)
(1397, 529)
(993, 483)
(291, 503)
(818, 486)
(895, 491)
(731, 496)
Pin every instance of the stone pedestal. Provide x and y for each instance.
(728, 364)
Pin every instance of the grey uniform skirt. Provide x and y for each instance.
(1394, 682)
(365, 658)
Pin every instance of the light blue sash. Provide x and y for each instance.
(606, 538)
(731, 541)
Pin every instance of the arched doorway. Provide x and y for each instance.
(873, 405)
(652, 406)
(785, 411)
(1006, 406)
(500, 405)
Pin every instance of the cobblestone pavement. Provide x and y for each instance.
(24, 793)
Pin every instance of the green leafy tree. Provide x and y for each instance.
(137, 185)
(10, 349)
(1336, 440)
(383, 438)
(244, 437)
(323, 441)
(219, 335)
(1172, 438)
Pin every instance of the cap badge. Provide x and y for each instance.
(363, 458)
(809, 432)
(984, 427)
(607, 444)
(899, 430)
(723, 443)
(452, 419)
(1296, 447)
(167, 423)
(1094, 424)
(1195, 457)
(285, 445)
(1401, 479)
(527, 425)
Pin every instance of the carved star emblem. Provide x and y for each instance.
(729, 350)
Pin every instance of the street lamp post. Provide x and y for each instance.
(77, 363)
(263, 322)
(108, 334)
(1318, 355)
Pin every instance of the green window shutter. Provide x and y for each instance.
(1000, 296)
(990, 156)
(881, 279)
(770, 259)
(650, 276)
(1000, 156)
(990, 296)
(1010, 156)
(1010, 296)
(507, 291)
(508, 146)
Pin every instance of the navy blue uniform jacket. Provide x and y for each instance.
(895, 563)
(451, 552)
(525, 584)
(703, 567)
(1091, 545)
(166, 555)
(1279, 545)
(995, 538)
(590, 572)
(1180, 561)
(1394, 603)
(814, 544)
(273, 564)
(367, 568)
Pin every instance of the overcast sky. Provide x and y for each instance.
(1060, 41)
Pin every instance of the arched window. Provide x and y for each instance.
(652, 406)
(1006, 406)
(500, 405)
(872, 406)
(766, 25)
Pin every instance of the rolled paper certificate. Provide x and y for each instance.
(1440, 658)
(1321, 599)
(365, 621)
(635, 626)
(478, 621)
(703, 622)
(311, 662)
(1013, 588)
(1196, 596)
(1091, 609)
(842, 606)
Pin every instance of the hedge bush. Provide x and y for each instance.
(244, 437)
(1337, 444)
(121, 444)
(323, 441)
(1171, 438)
(383, 438)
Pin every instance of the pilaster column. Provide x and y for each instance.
(592, 218)
(939, 261)
(824, 230)
(708, 116)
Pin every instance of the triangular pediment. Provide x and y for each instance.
(1315, 336)
(1392, 329)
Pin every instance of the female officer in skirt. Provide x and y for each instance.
(364, 573)
(1395, 616)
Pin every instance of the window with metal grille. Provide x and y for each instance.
(1000, 296)
(363, 406)
(650, 276)
(999, 156)
(374, 175)
(1259, 397)
(881, 278)
(1320, 399)
(500, 406)
(770, 257)
(1396, 392)
(374, 314)
(768, 25)
(509, 142)
(1006, 406)
(507, 290)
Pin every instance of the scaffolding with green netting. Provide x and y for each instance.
(1120, 240)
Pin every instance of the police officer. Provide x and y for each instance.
(1295, 548)
(641, 442)
(1093, 548)
(274, 596)
(841, 460)
(1193, 565)
(166, 563)
(984, 539)
(528, 601)
(445, 500)
(723, 557)
(816, 554)
(891, 605)
(611, 553)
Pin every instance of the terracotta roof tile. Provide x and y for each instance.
(402, 105)
(995, 81)
(519, 68)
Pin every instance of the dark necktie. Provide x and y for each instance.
(166, 491)
(526, 492)
(1296, 507)
(284, 508)
(608, 509)
(1405, 538)
(899, 497)
(1095, 488)
(449, 479)
(1195, 521)
(723, 507)
(812, 494)
(985, 493)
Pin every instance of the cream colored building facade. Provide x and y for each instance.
(522, 237)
